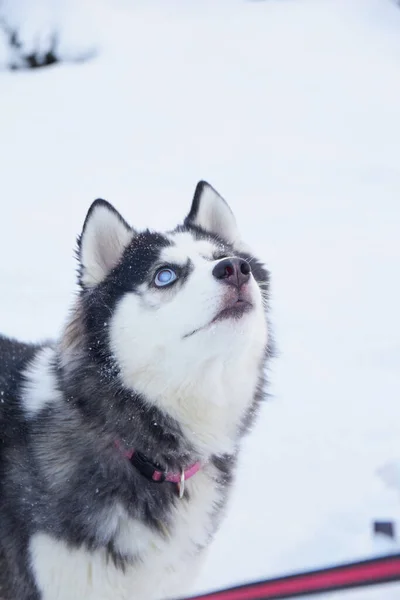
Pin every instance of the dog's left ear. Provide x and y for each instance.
(104, 237)
(210, 212)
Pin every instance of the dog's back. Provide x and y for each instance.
(14, 357)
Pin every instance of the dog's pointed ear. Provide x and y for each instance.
(104, 237)
(210, 212)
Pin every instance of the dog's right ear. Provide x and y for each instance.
(210, 212)
(104, 237)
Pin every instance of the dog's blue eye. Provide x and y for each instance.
(165, 277)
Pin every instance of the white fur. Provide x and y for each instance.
(214, 215)
(40, 387)
(103, 241)
(207, 380)
(167, 565)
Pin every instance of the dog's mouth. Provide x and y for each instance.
(233, 309)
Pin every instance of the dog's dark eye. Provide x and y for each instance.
(165, 277)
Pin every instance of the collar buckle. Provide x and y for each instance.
(147, 468)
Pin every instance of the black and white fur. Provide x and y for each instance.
(156, 369)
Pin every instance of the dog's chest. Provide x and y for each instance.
(163, 567)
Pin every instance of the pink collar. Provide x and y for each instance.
(154, 473)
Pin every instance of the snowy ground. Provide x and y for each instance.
(291, 109)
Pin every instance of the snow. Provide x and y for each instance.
(65, 27)
(291, 110)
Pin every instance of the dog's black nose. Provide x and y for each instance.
(234, 271)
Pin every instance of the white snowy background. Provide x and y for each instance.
(291, 109)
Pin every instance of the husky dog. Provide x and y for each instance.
(118, 443)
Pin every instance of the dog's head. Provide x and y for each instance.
(182, 314)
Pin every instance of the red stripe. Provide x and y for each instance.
(341, 577)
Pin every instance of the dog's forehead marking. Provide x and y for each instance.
(185, 246)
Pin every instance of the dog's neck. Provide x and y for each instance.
(120, 414)
(178, 402)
